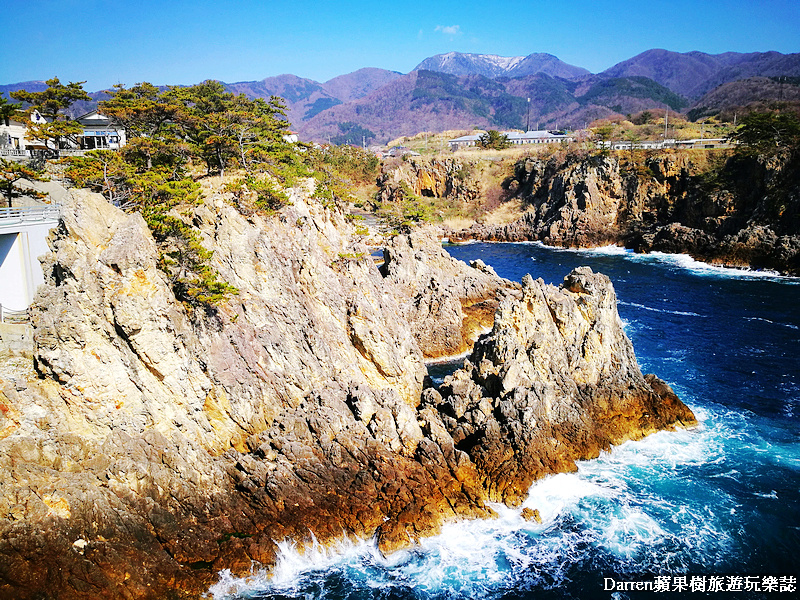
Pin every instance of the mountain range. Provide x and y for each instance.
(464, 91)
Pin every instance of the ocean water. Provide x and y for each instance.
(712, 504)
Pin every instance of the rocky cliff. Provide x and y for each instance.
(555, 381)
(727, 209)
(155, 448)
(446, 303)
(447, 178)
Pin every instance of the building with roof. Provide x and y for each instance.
(13, 141)
(668, 143)
(517, 138)
(99, 132)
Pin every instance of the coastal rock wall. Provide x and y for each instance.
(434, 178)
(731, 209)
(156, 448)
(186, 446)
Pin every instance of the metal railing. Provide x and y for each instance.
(49, 212)
(12, 152)
(8, 315)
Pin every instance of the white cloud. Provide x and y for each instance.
(449, 29)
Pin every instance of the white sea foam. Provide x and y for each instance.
(789, 325)
(605, 250)
(293, 561)
(661, 310)
(684, 261)
(657, 519)
(229, 586)
(611, 249)
(771, 494)
(639, 505)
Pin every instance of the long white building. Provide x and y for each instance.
(517, 138)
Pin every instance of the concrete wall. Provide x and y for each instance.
(20, 269)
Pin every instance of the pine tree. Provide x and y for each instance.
(52, 105)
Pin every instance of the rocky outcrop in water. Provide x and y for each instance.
(555, 381)
(156, 448)
(728, 209)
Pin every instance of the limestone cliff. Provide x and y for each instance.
(729, 209)
(155, 448)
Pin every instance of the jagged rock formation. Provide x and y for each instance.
(554, 382)
(744, 211)
(446, 303)
(432, 178)
(155, 449)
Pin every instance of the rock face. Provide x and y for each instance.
(433, 178)
(744, 211)
(554, 382)
(446, 303)
(155, 449)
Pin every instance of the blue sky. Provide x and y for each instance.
(186, 41)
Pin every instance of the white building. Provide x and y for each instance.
(12, 138)
(517, 138)
(668, 143)
(99, 132)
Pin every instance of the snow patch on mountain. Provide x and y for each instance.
(505, 63)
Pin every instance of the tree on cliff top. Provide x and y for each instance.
(603, 134)
(7, 111)
(10, 173)
(223, 129)
(52, 104)
(168, 128)
(769, 131)
(493, 140)
(57, 98)
(150, 118)
(105, 172)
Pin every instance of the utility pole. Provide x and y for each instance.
(528, 126)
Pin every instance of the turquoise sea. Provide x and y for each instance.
(709, 513)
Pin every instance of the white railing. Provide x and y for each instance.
(12, 152)
(64, 152)
(8, 315)
(50, 212)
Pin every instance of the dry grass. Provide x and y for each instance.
(457, 222)
(507, 212)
